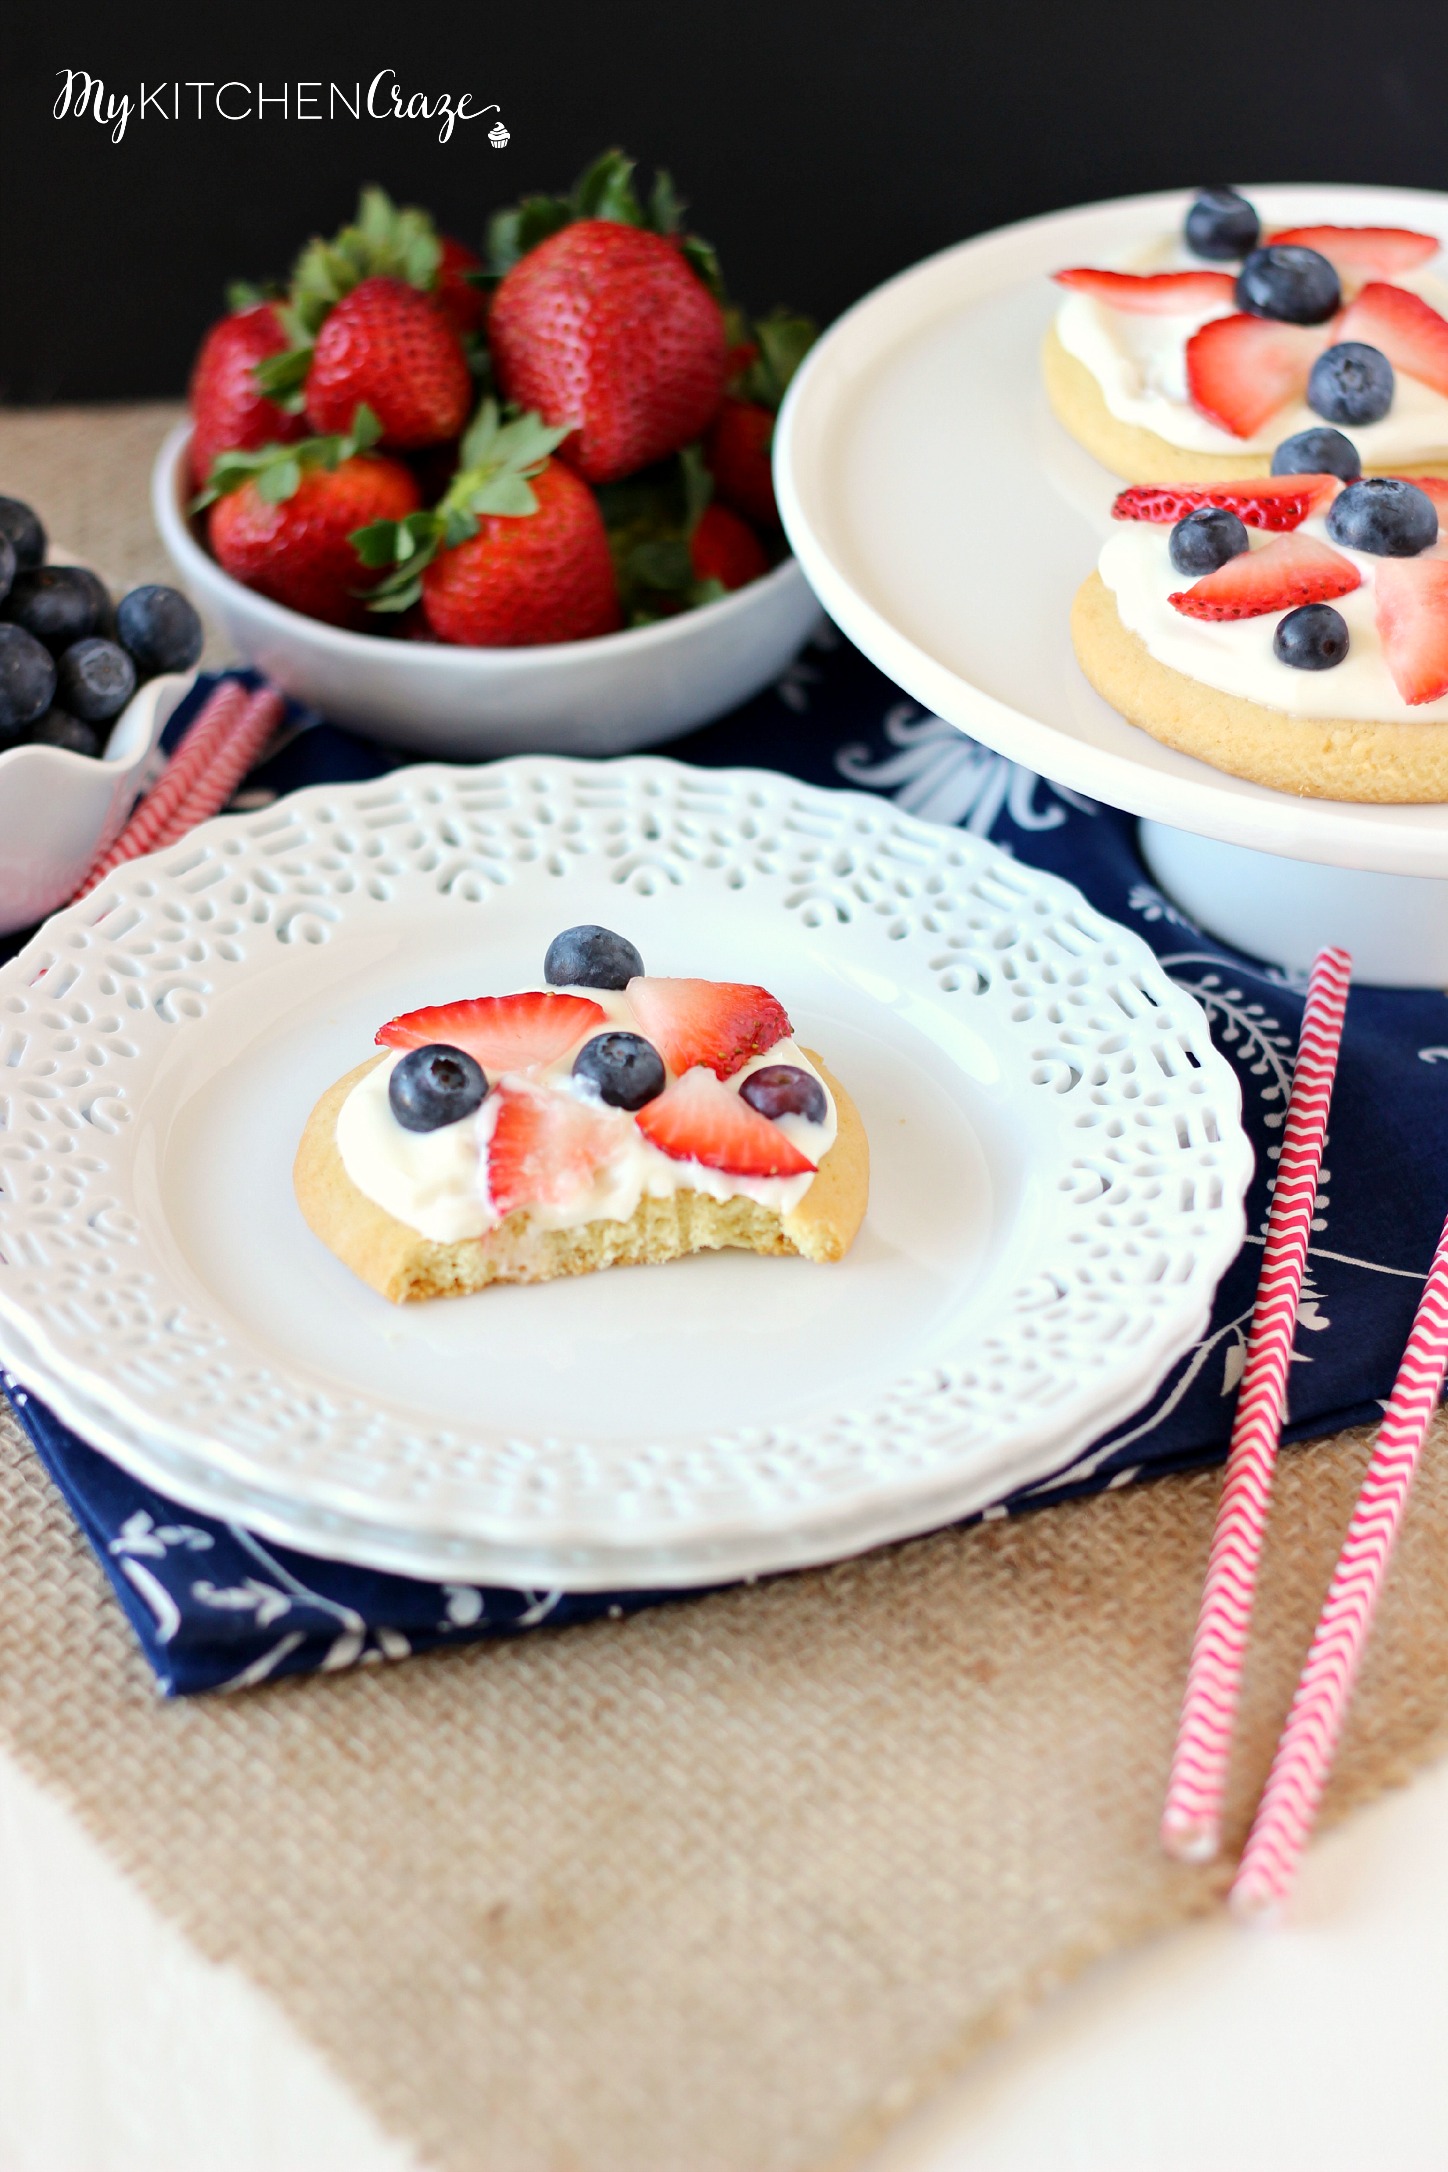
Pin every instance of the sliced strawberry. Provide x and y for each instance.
(1151, 294)
(1363, 252)
(1268, 501)
(1401, 326)
(1289, 570)
(1411, 600)
(721, 1023)
(504, 1033)
(1241, 369)
(546, 1147)
(698, 1119)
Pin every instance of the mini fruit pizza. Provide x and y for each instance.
(608, 1119)
(1209, 347)
(1291, 628)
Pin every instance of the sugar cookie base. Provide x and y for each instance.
(403, 1266)
(1140, 456)
(1314, 757)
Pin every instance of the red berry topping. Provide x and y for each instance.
(390, 348)
(1290, 570)
(504, 1033)
(1411, 600)
(1268, 501)
(1363, 252)
(228, 413)
(718, 1023)
(725, 549)
(1242, 369)
(546, 1147)
(1403, 327)
(698, 1119)
(1152, 294)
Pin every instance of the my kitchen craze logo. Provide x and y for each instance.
(84, 97)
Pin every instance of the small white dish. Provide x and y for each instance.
(945, 519)
(58, 809)
(606, 696)
(1058, 1170)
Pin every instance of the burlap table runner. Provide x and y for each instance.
(726, 1887)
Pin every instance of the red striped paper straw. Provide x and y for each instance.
(1191, 1819)
(1309, 1740)
(218, 750)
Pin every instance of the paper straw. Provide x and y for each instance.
(1191, 1820)
(1309, 1740)
(218, 750)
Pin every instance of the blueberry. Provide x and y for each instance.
(8, 567)
(624, 1068)
(1318, 452)
(434, 1086)
(1384, 515)
(27, 681)
(1351, 383)
(782, 1089)
(1221, 224)
(94, 679)
(1203, 540)
(58, 604)
(1292, 284)
(590, 957)
(160, 628)
(1311, 638)
(24, 533)
(56, 729)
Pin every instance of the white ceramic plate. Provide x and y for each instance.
(605, 696)
(1057, 1187)
(946, 519)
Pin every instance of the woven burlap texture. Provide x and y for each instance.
(727, 1887)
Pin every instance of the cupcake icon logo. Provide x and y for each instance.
(497, 135)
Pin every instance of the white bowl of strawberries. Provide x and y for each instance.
(476, 513)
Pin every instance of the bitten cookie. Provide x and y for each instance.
(609, 1119)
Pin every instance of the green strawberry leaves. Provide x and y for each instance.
(277, 470)
(496, 459)
(651, 518)
(781, 341)
(605, 190)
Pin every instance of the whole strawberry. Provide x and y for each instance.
(459, 297)
(738, 450)
(610, 328)
(725, 549)
(282, 520)
(515, 554)
(517, 583)
(741, 440)
(229, 411)
(390, 348)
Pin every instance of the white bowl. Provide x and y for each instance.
(58, 809)
(605, 696)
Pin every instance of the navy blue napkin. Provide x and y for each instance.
(214, 1607)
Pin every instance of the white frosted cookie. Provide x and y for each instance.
(563, 1130)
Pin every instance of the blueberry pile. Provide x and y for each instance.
(1351, 382)
(69, 660)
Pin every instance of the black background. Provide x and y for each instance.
(822, 143)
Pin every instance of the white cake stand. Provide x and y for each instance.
(945, 520)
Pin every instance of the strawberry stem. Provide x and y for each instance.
(277, 470)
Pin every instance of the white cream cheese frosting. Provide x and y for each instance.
(1235, 655)
(1139, 362)
(436, 1181)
